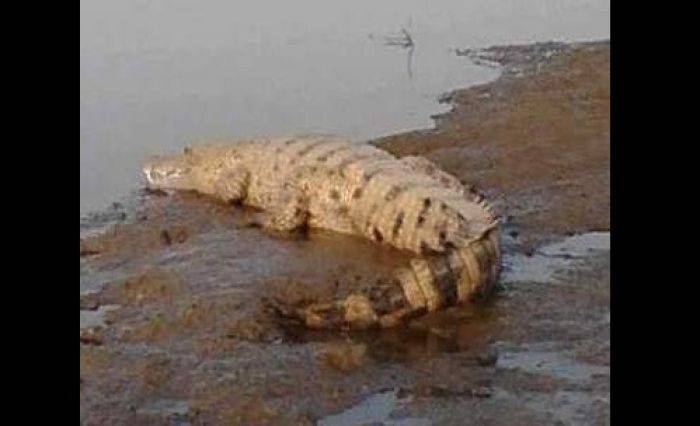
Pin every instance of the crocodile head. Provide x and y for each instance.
(170, 172)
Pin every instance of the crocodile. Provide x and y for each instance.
(354, 188)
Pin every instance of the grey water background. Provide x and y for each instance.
(156, 75)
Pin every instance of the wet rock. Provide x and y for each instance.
(89, 248)
(167, 410)
(89, 301)
(152, 286)
(175, 235)
(488, 359)
(445, 98)
(438, 391)
(92, 336)
(98, 317)
(444, 332)
(253, 330)
(154, 372)
(359, 312)
(343, 356)
(482, 392)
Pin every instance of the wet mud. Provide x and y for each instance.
(178, 292)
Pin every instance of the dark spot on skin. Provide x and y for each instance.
(342, 210)
(187, 150)
(397, 223)
(421, 216)
(276, 168)
(378, 235)
(357, 193)
(447, 284)
(368, 176)
(308, 148)
(393, 193)
(442, 236)
(335, 194)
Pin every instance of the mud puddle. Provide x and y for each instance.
(95, 318)
(545, 262)
(377, 409)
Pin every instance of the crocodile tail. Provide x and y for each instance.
(470, 268)
(467, 270)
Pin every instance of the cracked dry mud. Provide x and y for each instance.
(174, 328)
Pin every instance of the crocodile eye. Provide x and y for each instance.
(153, 174)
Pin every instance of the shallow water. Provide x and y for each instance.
(376, 409)
(543, 265)
(156, 75)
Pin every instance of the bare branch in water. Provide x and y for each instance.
(407, 36)
(404, 40)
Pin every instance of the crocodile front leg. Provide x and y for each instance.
(291, 214)
(232, 185)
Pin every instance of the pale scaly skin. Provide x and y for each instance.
(358, 189)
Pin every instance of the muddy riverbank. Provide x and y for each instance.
(175, 328)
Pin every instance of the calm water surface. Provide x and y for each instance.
(156, 75)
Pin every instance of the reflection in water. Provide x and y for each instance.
(457, 329)
(377, 409)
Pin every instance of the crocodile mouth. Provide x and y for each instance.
(158, 177)
(153, 176)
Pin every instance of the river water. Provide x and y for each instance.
(156, 75)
